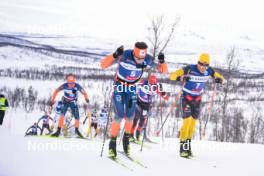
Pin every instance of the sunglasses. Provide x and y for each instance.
(202, 64)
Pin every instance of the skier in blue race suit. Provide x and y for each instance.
(131, 65)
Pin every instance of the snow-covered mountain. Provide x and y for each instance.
(87, 25)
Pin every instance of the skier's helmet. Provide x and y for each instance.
(152, 80)
(204, 59)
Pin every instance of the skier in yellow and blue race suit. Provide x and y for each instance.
(194, 77)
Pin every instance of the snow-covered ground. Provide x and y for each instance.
(47, 156)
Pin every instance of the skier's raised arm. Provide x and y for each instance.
(55, 93)
(81, 89)
(112, 58)
(218, 77)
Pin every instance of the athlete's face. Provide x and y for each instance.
(202, 67)
(139, 55)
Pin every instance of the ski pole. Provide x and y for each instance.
(210, 106)
(86, 109)
(145, 133)
(106, 127)
(172, 107)
(86, 117)
(52, 121)
(162, 131)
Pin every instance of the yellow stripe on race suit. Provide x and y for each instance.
(218, 75)
(176, 74)
(192, 128)
(184, 131)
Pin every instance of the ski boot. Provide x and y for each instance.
(126, 145)
(112, 148)
(65, 130)
(184, 149)
(78, 133)
(88, 132)
(190, 148)
(132, 139)
(57, 133)
(139, 137)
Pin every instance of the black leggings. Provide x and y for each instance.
(2, 114)
(191, 106)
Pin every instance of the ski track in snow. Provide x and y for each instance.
(19, 157)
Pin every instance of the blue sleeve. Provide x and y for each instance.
(128, 54)
(62, 87)
(211, 71)
(79, 87)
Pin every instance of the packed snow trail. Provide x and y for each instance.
(42, 156)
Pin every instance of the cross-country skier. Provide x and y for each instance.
(146, 92)
(32, 130)
(45, 123)
(194, 77)
(102, 120)
(57, 111)
(93, 123)
(70, 89)
(131, 64)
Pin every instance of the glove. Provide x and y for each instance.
(161, 58)
(119, 51)
(218, 80)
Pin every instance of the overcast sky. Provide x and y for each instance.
(225, 17)
(120, 18)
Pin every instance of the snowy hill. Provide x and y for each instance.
(47, 156)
